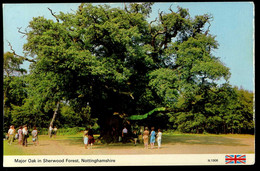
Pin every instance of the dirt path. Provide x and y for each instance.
(246, 144)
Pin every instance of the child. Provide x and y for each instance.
(135, 136)
(152, 138)
(159, 138)
(85, 138)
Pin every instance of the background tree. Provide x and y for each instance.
(13, 85)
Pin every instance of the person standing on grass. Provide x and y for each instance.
(124, 134)
(11, 133)
(25, 135)
(20, 135)
(35, 136)
(50, 131)
(159, 138)
(152, 138)
(146, 137)
(85, 139)
(91, 139)
(135, 136)
(55, 129)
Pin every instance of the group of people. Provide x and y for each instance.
(52, 131)
(152, 137)
(145, 137)
(88, 139)
(22, 135)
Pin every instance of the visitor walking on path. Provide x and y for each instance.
(159, 138)
(11, 133)
(20, 135)
(25, 135)
(152, 138)
(146, 137)
(35, 136)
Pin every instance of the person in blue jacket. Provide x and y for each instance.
(152, 137)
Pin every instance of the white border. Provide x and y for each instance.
(121, 160)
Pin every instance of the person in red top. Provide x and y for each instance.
(91, 139)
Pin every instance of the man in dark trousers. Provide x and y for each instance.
(124, 134)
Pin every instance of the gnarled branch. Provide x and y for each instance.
(207, 29)
(153, 21)
(120, 92)
(170, 8)
(22, 57)
(19, 31)
(54, 15)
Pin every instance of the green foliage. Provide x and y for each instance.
(162, 81)
(70, 131)
(100, 60)
(220, 112)
(11, 64)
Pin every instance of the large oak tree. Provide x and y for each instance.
(117, 62)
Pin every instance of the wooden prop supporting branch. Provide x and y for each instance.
(55, 113)
(144, 116)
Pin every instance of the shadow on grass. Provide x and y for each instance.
(201, 139)
(169, 139)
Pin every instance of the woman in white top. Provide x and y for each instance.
(50, 131)
(159, 138)
(124, 135)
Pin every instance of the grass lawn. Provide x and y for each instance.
(16, 149)
(169, 139)
(13, 149)
(203, 139)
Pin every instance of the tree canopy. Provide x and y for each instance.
(112, 60)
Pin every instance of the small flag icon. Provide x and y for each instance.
(235, 159)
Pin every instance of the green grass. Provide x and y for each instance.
(13, 149)
(208, 139)
(168, 138)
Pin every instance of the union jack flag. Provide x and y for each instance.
(235, 159)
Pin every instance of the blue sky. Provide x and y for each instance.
(232, 25)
